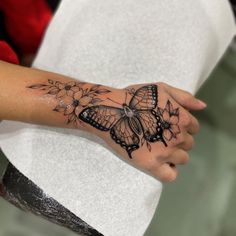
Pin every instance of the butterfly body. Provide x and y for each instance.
(133, 120)
(128, 124)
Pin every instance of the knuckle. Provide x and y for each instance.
(186, 120)
(185, 158)
(149, 165)
(153, 163)
(145, 161)
(192, 142)
(189, 143)
(162, 156)
(180, 139)
(195, 123)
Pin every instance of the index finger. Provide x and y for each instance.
(184, 98)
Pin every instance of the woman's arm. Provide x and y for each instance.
(147, 124)
(27, 95)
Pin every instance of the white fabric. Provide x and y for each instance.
(115, 43)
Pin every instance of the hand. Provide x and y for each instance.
(150, 125)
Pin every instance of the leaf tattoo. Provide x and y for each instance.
(133, 124)
(71, 96)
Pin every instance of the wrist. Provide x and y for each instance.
(67, 98)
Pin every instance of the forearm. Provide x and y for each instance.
(147, 123)
(36, 96)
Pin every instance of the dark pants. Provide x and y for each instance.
(23, 193)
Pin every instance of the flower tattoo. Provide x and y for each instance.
(66, 89)
(169, 121)
(71, 96)
(135, 123)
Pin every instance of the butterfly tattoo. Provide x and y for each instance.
(129, 125)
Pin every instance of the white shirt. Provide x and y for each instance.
(115, 43)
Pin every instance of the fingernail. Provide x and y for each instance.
(203, 104)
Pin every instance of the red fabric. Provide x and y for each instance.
(25, 22)
(7, 54)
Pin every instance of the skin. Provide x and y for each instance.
(21, 103)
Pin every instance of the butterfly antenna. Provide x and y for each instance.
(114, 101)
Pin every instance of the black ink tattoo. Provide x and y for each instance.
(134, 124)
(169, 121)
(72, 97)
(132, 121)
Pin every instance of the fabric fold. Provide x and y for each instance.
(115, 43)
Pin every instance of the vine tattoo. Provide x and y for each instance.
(131, 125)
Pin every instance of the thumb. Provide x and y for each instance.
(185, 99)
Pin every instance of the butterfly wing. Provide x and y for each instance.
(145, 98)
(122, 134)
(101, 117)
(151, 125)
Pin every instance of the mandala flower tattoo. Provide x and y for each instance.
(135, 123)
(71, 96)
(169, 121)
